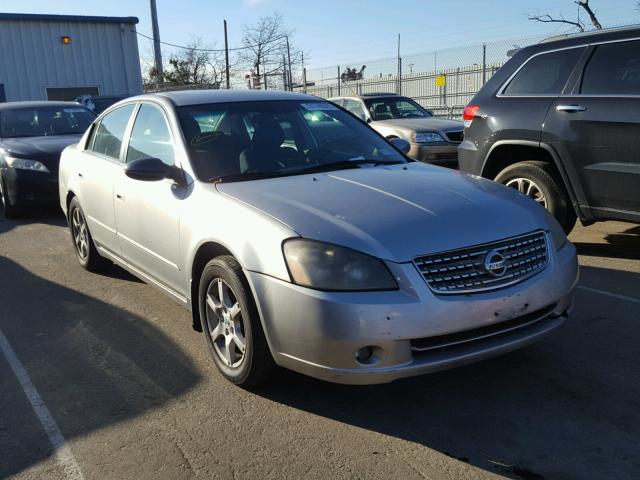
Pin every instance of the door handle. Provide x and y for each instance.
(119, 197)
(570, 108)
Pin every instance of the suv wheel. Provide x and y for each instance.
(8, 210)
(231, 325)
(539, 181)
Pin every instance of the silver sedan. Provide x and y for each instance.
(301, 238)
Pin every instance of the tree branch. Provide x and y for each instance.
(549, 19)
(592, 16)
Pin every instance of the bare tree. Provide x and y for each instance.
(582, 4)
(265, 49)
(196, 65)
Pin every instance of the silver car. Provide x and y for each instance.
(300, 237)
(432, 140)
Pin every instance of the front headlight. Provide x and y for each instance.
(427, 137)
(556, 231)
(24, 164)
(329, 267)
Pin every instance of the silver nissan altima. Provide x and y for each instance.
(301, 238)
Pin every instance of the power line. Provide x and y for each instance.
(206, 49)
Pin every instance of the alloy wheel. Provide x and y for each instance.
(529, 188)
(80, 233)
(225, 323)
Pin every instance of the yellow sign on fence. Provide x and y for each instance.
(441, 80)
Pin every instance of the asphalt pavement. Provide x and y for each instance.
(102, 377)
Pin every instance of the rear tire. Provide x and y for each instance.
(539, 181)
(231, 324)
(7, 209)
(86, 251)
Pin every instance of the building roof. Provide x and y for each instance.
(36, 17)
(199, 97)
(37, 104)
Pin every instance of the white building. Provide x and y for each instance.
(60, 57)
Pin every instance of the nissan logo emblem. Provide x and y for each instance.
(495, 264)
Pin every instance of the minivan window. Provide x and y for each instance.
(545, 74)
(150, 136)
(614, 69)
(110, 132)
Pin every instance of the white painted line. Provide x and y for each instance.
(65, 457)
(610, 294)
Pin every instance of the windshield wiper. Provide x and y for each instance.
(346, 164)
(241, 177)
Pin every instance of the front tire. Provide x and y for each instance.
(86, 251)
(7, 209)
(540, 182)
(231, 324)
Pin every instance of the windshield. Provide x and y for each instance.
(44, 120)
(244, 140)
(390, 108)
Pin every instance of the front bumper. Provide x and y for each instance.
(445, 155)
(25, 187)
(318, 333)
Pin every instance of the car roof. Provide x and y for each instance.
(35, 103)
(362, 96)
(595, 34)
(199, 97)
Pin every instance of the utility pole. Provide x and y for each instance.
(226, 55)
(289, 63)
(157, 54)
(284, 73)
(399, 87)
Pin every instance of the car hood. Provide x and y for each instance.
(43, 149)
(393, 212)
(423, 124)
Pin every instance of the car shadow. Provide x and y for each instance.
(624, 245)
(566, 407)
(93, 364)
(46, 215)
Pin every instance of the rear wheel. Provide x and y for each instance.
(231, 325)
(7, 209)
(83, 245)
(539, 181)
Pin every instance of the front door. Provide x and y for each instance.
(148, 213)
(596, 130)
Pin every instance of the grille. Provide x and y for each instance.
(464, 271)
(455, 136)
(443, 156)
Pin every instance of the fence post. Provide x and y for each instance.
(399, 86)
(265, 80)
(338, 80)
(484, 63)
(304, 80)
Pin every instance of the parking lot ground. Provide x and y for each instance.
(131, 389)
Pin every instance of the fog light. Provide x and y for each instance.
(364, 355)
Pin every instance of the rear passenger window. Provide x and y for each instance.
(544, 74)
(109, 133)
(614, 69)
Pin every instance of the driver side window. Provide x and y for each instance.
(150, 136)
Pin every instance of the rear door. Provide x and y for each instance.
(596, 130)
(100, 170)
(522, 103)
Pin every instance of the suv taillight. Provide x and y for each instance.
(470, 112)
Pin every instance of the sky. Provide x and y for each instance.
(340, 31)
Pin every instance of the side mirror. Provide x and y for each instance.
(401, 144)
(152, 170)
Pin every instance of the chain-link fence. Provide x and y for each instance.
(442, 81)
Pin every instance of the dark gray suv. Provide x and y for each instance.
(560, 122)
